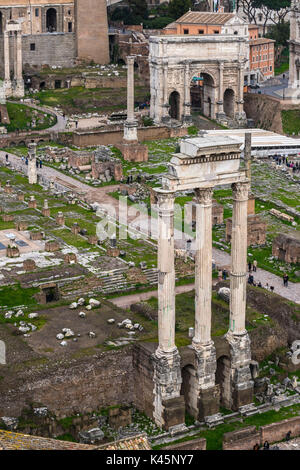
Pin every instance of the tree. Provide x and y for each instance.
(273, 10)
(177, 8)
(138, 8)
(280, 32)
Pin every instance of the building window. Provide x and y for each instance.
(32, 46)
(37, 12)
(201, 31)
(185, 31)
(216, 31)
(70, 27)
(235, 32)
(271, 68)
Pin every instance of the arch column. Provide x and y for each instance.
(187, 118)
(220, 103)
(240, 114)
(169, 406)
(165, 105)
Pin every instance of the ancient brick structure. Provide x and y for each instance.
(52, 245)
(21, 225)
(37, 235)
(286, 247)
(256, 230)
(74, 29)
(29, 265)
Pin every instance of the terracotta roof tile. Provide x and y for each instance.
(195, 17)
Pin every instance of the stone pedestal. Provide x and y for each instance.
(52, 246)
(21, 196)
(46, 210)
(32, 204)
(60, 219)
(21, 226)
(29, 265)
(241, 385)
(169, 406)
(12, 252)
(75, 229)
(8, 188)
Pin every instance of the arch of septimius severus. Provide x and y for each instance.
(208, 372)
(216, 62)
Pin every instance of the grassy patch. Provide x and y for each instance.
(21, 118)
(291, 121)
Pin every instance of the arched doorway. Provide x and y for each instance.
(223, 379)
(51, 20)
(188, 387)
(196, 89)
(174, 102)
(208, 95)
(228, 103)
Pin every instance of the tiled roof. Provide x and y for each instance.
(137, 443)
(15, 441)
(198, 17)
(259, 41)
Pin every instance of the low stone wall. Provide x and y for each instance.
(276, 432)
(193, 444)
(113, 137)
(245, 439)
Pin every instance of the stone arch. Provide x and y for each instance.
(188, 386)
(51, 20)
(174, 102)
(223, 379)
(228, 102)
(208, 107)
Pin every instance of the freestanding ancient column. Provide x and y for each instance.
(168, 404)
(130, 127)
(7, 80)
(19, 65)
(207, 403)
(240, 391)
(32, 170)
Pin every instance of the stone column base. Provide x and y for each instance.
(130, 131)
(208, 402)
(241, 383)
(187, 119)
(169, 405)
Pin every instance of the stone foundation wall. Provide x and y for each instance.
(143, 377)
(67, 387)
(242, 439)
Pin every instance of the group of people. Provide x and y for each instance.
(266, 445)
(282, 160)
(39, 163)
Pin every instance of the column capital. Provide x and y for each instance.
(130, 59)
(204, 196)
(241, 191)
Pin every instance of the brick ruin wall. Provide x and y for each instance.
(50, 49)
(69, 387)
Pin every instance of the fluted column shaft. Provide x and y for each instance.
(166, 273)
(203, 267)
(238, 258)
(19, 66)
(6, 57)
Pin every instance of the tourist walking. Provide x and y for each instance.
(266, 445)
(285, 280)
(224, 274)
(254, 265)
(250, 266)
(6, 158)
